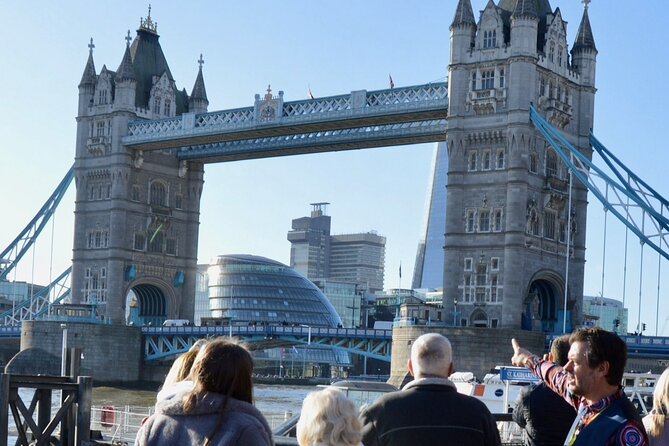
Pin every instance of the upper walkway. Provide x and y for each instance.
(361, 119)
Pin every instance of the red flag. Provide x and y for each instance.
(311, 96)
(392, 84)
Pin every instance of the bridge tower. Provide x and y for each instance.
(136, 213)
(508, 216)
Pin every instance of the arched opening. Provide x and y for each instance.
(541, 307)
(479, 319)
(146, 305)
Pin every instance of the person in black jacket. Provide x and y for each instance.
(428, 410)
(545, 416)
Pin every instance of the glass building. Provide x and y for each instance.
(429, 266)
(250, 289)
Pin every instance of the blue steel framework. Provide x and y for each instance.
(162, 342)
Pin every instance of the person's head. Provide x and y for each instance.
(596, 363)
(560, 350)
(180, 369)
(431, 356)
(224, 366)
(660, 405)
(328, 418)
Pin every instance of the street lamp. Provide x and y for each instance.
(304, 351)
(455, 312)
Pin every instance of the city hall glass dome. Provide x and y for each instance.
(253, 289)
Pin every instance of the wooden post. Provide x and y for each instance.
(83, 431)
(44, 408)
(4, 408)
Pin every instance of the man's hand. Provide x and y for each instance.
(520, 355)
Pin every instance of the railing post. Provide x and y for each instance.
(188, 121)
(85, 392)
(4, 408)
(358, 99)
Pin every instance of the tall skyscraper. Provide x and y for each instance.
(355, 258)
(429, 265)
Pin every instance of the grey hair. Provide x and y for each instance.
(431, 355)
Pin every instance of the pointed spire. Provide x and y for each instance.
(584, 38)
(525, 8)
(464, 15)
(89, 75)
(199, 91)
(126, 70)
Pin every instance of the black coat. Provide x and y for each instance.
(428, 412)
(545, 416)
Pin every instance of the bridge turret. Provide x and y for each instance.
(126, 82)
(584, 51)
(524, 28)
(87, 83)
(463, 31)
(198, 102)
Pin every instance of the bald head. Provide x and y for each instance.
(431, 355)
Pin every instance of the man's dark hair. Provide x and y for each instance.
(560, 349)
(601, 346)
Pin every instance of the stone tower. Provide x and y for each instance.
(137, 213)
(508, 217)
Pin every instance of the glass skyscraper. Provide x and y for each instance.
(429, 265)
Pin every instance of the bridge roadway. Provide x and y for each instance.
(361, 119)
(162, 342)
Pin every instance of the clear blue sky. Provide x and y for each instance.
(333, 47)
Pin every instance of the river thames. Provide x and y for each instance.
(274, 401)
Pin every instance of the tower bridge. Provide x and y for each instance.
(515, 114)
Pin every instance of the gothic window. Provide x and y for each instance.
(499, 164)
(542, 87)
(485, 160)
(468, 263)
(488, 79)
(139, 241)
(95, 284)
(100, 128)
(502, 79)
(562, 231)
(551, 54)
(490, 39)
(467, 288)
(156, 241)
(108, 194)
(497, 220)
(484, 220)
(493, 288)
(549, 225)
(102, 96)
(171, 246)
(156, 105)
(551, 164)
(179, 201)
(158, 194)
(473, 80)
(167, 106)
(98, 239)
(471, 164)
(470, 220)
(135, 192)
(494, 263)
(551, 91)
(566, 95)
(559, 56)
(481, 282)
(559, 92)
(534, 162)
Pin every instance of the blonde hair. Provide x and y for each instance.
(658, 415)
(329, 418)
(180, 369)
